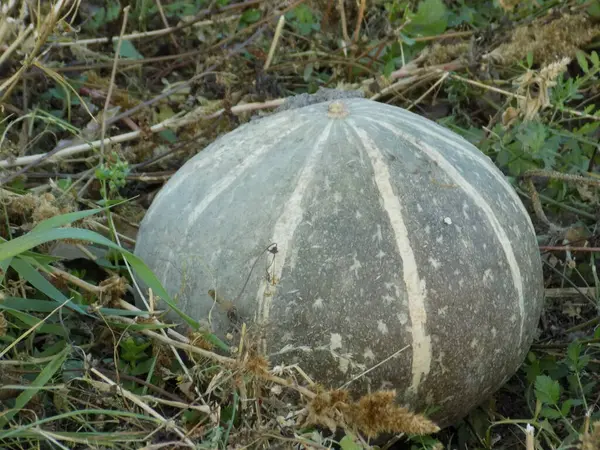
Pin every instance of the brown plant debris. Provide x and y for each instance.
(591, 440)
(440, 54)
(198, 339)
(371, 415)
(534, 88)
(3, 324)
(29, 209)
(113, 290)
(548, 42)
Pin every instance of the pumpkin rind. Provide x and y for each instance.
(404, 259)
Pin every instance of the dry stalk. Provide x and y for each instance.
(342, 12)
(578, 179)
(359, 19)
(174, 122)
(16, 43)
(140, 35)
(535, 198)
(111, 83)
(520, 97)
(163, 17)
(539, 210)
(276, 37)
(135, 399)
(45, 31)
(530, 438)
(232, 363)
(426, 93)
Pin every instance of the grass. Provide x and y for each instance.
(102, 101)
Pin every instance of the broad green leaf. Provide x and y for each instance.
(128, 50)
(142, 368)
(550, 413)
(251, 15)
(431, 18)
(40, 381)
(547, 390)
(348, 443)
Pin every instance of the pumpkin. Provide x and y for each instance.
(371, 246)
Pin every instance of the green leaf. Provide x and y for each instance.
(250, 16)
(547, 390)
(550, 413)
(573, 351)
(40, 381)
(595, 59)
(407, 40)
(142, 368)
(431, 18)
(349, 443)
(168, 135)
(582, 60)
(128, 50)
(567, 405)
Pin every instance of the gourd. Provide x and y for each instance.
(367, 244)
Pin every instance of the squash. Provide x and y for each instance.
(372, 247)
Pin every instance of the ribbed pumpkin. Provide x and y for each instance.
(373, 247)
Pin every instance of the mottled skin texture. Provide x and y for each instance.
(336, 196)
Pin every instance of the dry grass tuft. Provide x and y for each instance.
(112, 290)
(3, 324)
(378, 413)
(591, 440)
(29, 209)
(199, 340)
(442, 53)
(534, 87)
(372, 415)
(327, 409)
(548, 42)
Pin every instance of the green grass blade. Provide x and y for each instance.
(32, 321)
(41, 380)
(99, 412)
(27, 272)
(28, 304)
(64, 219)
(18, 245)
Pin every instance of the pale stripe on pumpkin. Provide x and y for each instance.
(455, 175)
(217, 189)
(286, 225)
(415, 286)
(234, 174)
(461, 146)
(195, 166)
